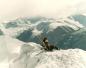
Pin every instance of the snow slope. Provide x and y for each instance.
(9, 48)
(30, 55)
(36, 58)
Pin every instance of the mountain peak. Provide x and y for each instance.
(80, 18)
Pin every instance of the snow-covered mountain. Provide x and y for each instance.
(28, 29)
(20, 43)
(74, 40)
(80, 18)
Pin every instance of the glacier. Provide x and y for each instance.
(20, 45)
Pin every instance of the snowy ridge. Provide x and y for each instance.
(36, 58)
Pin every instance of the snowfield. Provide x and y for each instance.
(20, 45)
(33, 57)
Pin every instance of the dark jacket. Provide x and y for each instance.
(47, 46)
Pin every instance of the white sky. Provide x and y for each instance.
(11, 9)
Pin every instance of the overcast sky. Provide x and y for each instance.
(12, 9)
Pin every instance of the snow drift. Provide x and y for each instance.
(9, 49)
(36, 58)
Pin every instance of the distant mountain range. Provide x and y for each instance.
(58, 31)
(80, 18)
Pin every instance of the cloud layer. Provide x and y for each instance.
(11, 9)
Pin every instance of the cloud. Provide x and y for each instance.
(11, 9)
(56, 8)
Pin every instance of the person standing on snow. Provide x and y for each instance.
(47, 46)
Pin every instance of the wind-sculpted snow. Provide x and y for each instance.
(9, 48)
(34, 57)
(31, 55)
